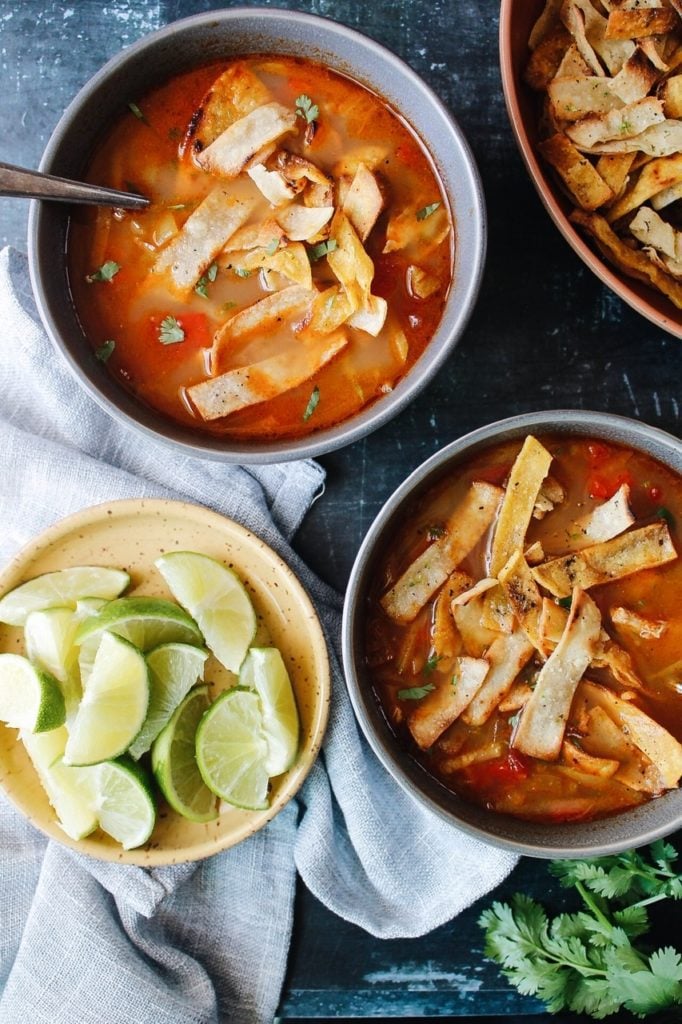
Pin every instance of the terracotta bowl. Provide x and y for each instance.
(622, 831)
(220, 35)
(131, 535)
(516, 20)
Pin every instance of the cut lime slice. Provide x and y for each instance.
(173, 671)
(114, 704)
(145, 621)
(265, 672)
(49, 638)
(29, 698)
(124, 802)
(216, 598)
(64, 587)
(174, 761)
(71, 791)
(231, 750)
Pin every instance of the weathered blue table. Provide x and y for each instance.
(545, 334)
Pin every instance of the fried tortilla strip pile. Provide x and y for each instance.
(231, 152)
(233, 94)
(507, 656)
(258, 318)
(439, 709)
(465, 527)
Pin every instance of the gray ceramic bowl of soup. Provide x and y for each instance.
(220, 36)
(609, 437)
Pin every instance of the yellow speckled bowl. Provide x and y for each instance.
(131, 535)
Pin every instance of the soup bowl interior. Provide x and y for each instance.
(621, 831)
(220, 35)
(517, 18)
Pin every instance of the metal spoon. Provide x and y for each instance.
(17, 181)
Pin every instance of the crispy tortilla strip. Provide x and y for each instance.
(271, 184)
(633, 622)
(298, 171)
(445, 638)
(201, 238)
(473, 592)
(589, 190)
(626, 122)
(518, 697)
(249, 385)
(371, 317)
(635, 78)
(552, 623)
(650, 229)
(575, 21)
(439, 709)
(363, 202)
(615, 170)
(330, 309)
(497, 614)
(507, 656)
(259, 317)
(529, 470)
(233, 94)
(540, 731)
(315, 194)
(656, 175)
(603, 738)
(574, 97)
(468, 619)
(490, 752)
(650, 47)
(573, 756)
(603, 523)
(547, 58)
(551, 493)
(535, 553)
(404, 229)
(421, 284)
(255, 236)
(640, 23)
(671, 94)
(667, 196)
(523, 595)
(572, 65)
(617, 661)
(651, 738)
(589, 30)
(645, 548)
(663, 139)
(630, 261)
(301, 223)
(546, 21)
(349, 262)
(467, 523)
(229, 154)
(371, 155)
(291, 261)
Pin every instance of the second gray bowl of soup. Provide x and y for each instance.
(219, 36)
(571, 838)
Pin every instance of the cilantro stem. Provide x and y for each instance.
(592, 905)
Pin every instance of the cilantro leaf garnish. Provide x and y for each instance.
(316, 252)
(242, 272)
(133, 107)
(312, 404)
(272, 247)
(106, 272)
(170, 331)
(665, 514)
(565, 602)
(415, 692)
(201, 287)
(306, 109)
(426, 211)
(431, 664)
(103, 353)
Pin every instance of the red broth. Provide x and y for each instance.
(145, 151)
(402, 663)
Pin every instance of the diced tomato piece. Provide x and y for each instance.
(598, 452)
(655, 493)
(600, 485)
(409, 154)
(500, 771)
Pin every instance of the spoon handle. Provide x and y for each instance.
(17, 181)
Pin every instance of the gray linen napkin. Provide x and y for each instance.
(84, 941)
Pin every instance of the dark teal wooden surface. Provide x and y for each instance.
(545, 334)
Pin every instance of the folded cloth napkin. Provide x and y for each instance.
(84, 941)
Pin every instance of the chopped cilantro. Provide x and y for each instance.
(666, 514)
(201, 287)
(426, 211)
(316, 252)
(106, 272)
(103, 353)
(312, 403)
(242, 272)
(432, 663)
(306, 109)
(170, 331)
(513, 719)
(565, 602)
(415, 692)
(138, 113)
(435, 531)
(272, 247)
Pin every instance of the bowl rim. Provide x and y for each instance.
(81, 520)
(381, 410)
(620, 286)
(390, 754)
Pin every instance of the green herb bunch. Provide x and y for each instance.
(589, 961)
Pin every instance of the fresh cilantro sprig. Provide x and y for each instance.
(587, 961)
(415, 692)
(201, 287)
(313, 402)
(306, 109)
(107, 272)
(171, 331)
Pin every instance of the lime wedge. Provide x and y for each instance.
(265, 672)
(30, 699)
(216, 598)
(69, 790)
(114, 704)
(49, 638)
(64, 587)
(174, 762)
(124, 802)
(173, 671)
(145, 621)
(231, 750)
